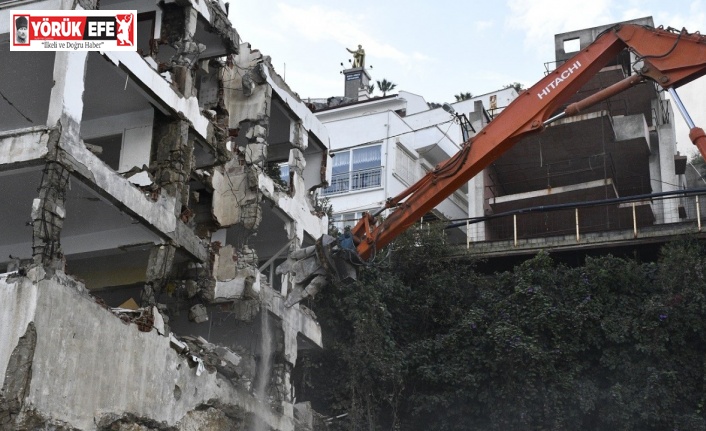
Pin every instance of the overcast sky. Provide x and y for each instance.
(439, 48)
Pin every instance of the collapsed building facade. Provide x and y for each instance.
(142, 224)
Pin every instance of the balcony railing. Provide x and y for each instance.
(355, 180)
(635, 216)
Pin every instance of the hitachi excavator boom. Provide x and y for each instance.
(667, 57)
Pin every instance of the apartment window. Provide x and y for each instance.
(356, 169)
(406, 167)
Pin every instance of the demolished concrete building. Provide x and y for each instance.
(142, 221)
(619, 155)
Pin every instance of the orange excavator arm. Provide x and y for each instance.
(670, 59)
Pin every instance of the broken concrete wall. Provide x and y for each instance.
(19, 305)
(301, 208)
(249, 102)
(16, 386)
(129, 372)
(177, 31)
(249, 98)
(236, 198)
(173, 27)
(246, 97)
(182, 30)
(237, 325)
(237, 276)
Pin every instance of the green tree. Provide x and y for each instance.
(385, 86)
(371, 88)
(423, 341)
(463, 96)
(516, 85)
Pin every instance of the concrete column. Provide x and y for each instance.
(65, 112)
(476, 190)
(48, 214)
(159, 268)
(173, 159)
(67, 93)
(667, 149)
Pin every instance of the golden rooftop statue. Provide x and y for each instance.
(358, 56)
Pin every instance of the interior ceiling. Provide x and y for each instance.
(315, 146)
(108, 91)
(87, 212)
(27, 78)
(279, 124)
(278, 133)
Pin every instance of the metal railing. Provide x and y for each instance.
(551, 66)
(354, 180)
(637, 214)
(494, 112)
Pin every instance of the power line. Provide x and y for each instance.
(15, 107)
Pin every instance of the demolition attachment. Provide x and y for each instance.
(313, 267)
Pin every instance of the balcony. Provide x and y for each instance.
(354, 180)
(591, 224)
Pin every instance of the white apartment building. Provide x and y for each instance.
(381, 146)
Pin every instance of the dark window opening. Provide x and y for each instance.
(145, 32)
(572, 45)
(108, 148)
